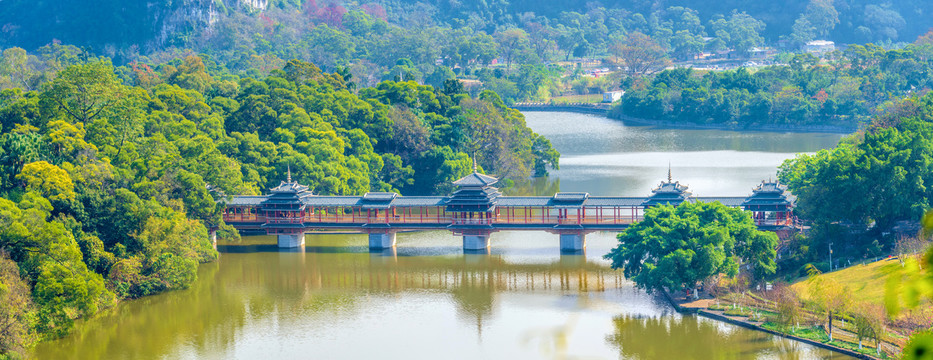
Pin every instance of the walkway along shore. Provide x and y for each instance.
(700, 308)
(603, 110)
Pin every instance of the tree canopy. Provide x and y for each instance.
(677, 248)
(867, 185)
(112, 177)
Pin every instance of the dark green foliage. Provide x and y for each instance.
(855, 193)
(842, 92)
(677, 248)
(108, 190)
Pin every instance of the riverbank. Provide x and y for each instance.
(579, 108)
(702, 308)
(605, 110)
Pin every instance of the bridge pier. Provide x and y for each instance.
(291, 241)
(381, 240)
(475, 242)
(572, 242)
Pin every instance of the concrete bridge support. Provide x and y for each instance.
(291, 241)
(381, 240)
(474, 243)
(572, 242)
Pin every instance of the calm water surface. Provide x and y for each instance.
(603, 157)
(428, 300)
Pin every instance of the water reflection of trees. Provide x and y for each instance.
(640, 337)
(296, 275)
(157, 324)
(537, 186)
(287, 287)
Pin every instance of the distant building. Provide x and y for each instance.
(760, 53)
(819, 46)
(612, 96)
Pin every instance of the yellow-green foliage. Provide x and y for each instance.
(49, 180)
(865, 282)
(16, 309)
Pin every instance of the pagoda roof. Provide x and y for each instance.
(569, 199)
(668, 187)
(769, 196)
(476, 179)
(246, 200)
(288, 196)
(668, 192)
(770, 187)
(289, 187)
(474, 199)
(377, 200)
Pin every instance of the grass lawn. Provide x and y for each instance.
(864, 282)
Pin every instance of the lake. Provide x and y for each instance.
(426, 299)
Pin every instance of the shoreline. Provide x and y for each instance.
(663, 124)
(721, 316)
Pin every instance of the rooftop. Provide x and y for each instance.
(476, 179)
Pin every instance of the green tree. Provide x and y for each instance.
(16, 310)
(190, 74)
(15, 70)
(641, 55)
(511, 42)
(49, 180)
(677, 248)
(816, 22)
(84, 92)
(18, 149)
(827, 297)
(740, 31)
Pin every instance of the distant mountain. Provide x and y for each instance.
(105, 25)
(110, 23)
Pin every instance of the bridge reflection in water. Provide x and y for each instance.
(473, 281)
(386, 271)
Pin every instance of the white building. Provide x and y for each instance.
(612, 96)
(819, 46)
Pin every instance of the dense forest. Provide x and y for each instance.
(111, 176)
(529, 51)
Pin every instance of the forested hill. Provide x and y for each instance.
(118, 24)
(860, 21)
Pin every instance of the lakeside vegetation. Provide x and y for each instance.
(867, 194)
(846, 90)
(862, 200)
(680, 248)
(111, 177)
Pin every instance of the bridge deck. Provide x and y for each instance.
(434, 217)
(476, 207)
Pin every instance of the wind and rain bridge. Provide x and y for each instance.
(475, 210)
